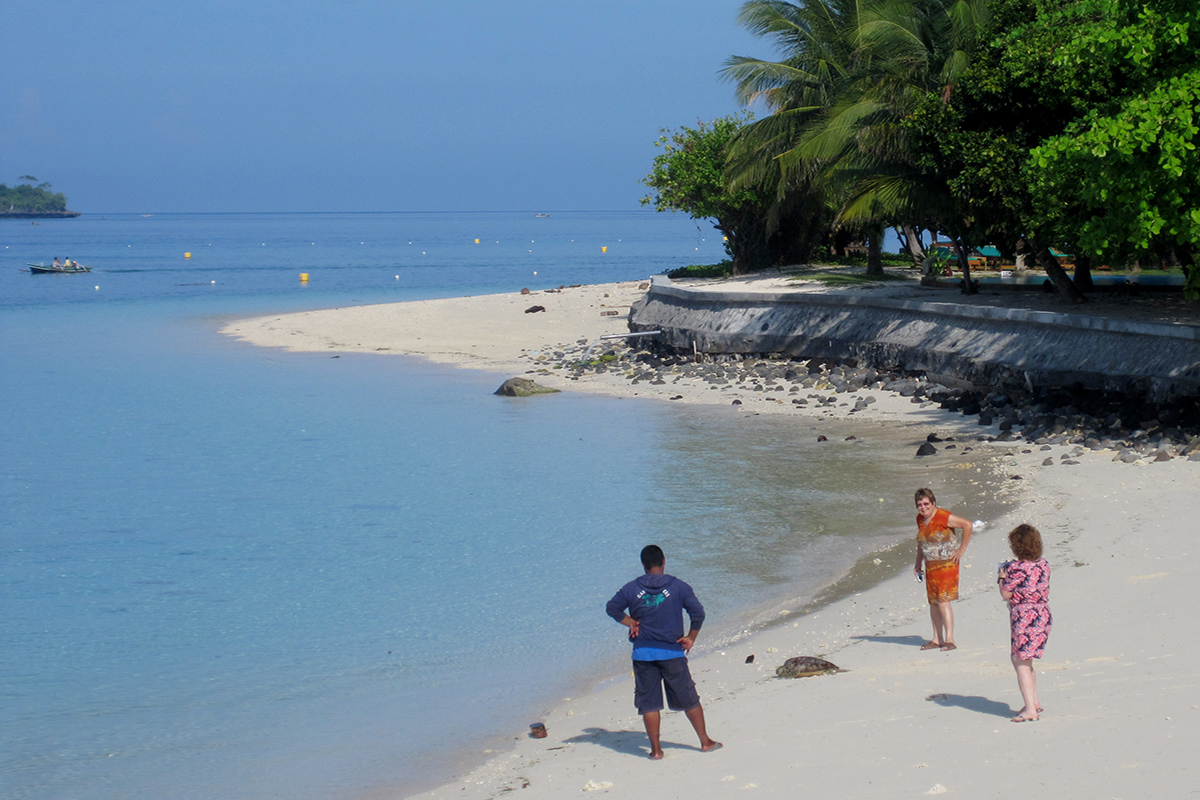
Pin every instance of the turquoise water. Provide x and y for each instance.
(240, 573)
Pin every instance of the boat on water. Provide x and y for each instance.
(41, 269)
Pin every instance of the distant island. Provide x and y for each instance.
(26, 201)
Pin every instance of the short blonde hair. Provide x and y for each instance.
(1026, 542)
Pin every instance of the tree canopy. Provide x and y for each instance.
(31, 198)
(1067, 125)
(689, 175)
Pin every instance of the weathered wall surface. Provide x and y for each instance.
(988, 347)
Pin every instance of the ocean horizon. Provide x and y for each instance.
(244, 573)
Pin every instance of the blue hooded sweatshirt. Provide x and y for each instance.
(657, 602)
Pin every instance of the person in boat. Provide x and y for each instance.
(57, 263)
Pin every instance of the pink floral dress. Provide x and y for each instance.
(1028, 609)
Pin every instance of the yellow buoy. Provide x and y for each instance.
(304, 277)
(187, 255)
(603, 249)
(476, 241)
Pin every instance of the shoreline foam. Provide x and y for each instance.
(901, 722)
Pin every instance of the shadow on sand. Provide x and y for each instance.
(632, 743)
(913, 641)
(975, 703)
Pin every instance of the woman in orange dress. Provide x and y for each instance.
(940, 548)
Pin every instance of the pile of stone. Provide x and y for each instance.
(1089, 419)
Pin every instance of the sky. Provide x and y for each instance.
(356, 105)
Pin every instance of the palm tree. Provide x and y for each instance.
(854, 74)
(815, 38)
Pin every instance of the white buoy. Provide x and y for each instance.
(97, 288)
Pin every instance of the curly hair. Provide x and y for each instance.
(652, 556)
(1026, 542)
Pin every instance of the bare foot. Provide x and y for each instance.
(656, 756)
(712, 745)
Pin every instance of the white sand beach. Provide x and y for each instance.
(1118, 681)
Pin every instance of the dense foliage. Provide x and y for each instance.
(689, 176)
(1130, 164)
(1034, 126)
(31, 198)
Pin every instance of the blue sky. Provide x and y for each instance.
(355, 105)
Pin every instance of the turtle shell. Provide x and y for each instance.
(806, 666)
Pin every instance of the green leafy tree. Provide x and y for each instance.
(1012, 99)
(915, 53)
(1131, 165)
(852, 74)
(818, 57)
(31, 198)
(689, 176)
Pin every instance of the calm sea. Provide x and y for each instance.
(240, 573)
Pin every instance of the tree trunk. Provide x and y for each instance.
(875, 252)
(1021, 251)
(1067, 290)
(910, 238)
(736, 249)
(968, 286)
(740, 256)
(1191, 276)
(1083, 273)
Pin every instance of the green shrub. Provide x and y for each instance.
(823, 256)
(721, 270)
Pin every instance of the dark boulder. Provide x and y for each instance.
(522, 387)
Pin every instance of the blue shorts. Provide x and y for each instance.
(649, 678)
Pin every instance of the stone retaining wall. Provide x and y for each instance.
(981, 345)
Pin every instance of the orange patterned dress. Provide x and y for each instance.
(938, 543)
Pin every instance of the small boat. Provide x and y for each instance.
(41, 269)
(541, 215)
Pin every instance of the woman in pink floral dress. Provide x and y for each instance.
(1025, 584)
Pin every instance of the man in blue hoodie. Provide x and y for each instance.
(652, 608)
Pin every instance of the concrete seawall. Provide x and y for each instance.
(981, 345)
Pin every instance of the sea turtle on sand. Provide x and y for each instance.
(807, 666)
